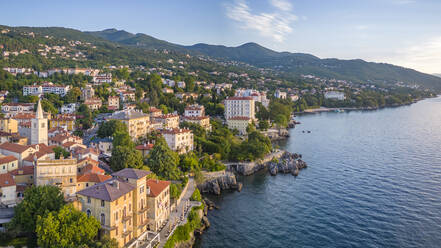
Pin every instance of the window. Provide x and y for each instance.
(116, 215)
(102, 203)
(103, 219)
(87, 185)
(88, 199)
(116, 231)
(71, 180)
(88, 212)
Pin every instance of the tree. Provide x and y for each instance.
(163, 161)
(111, 127)
(263, 125)
(281, 120)
(67, 227)
(48, 106)
(189, 162)
(60, 151)
(125, 157)
(38, 201)
(73, 95)
(86, 116)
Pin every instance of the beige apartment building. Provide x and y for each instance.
(168, 120)
(8, 125)
(240, 123)
(119, 203)
(113, 103)
(179, 140)
(239, 106)
(57, 172)
(203, 121)
(137, 122)
(158, 195)
(94, 103)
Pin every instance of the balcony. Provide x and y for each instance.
(126, 218)
(142, 210)
(108, 228)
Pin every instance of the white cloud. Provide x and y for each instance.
(282, 5)
(424, 57)
(274, 25)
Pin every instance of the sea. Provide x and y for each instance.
(373, 180)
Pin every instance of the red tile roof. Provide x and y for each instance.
(144, 147)
(7, 159)
(91, 177)
(13, 147)
(175, 131)
(157, 186)
(91, 168)
(25, 170)
(6, 180)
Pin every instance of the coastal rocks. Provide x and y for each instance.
(288, 163)
(215, 182)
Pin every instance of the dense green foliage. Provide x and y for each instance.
(60, 151)
(109, 128)
(38, 202)
(124, 154)
(196, 196)
(67, 227)
(163, 161)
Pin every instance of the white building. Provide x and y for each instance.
(102, 78)
(280, 94)
(68, 108)
(46, 87)
(337, 95)
(194, 110)
(14, 108)
(39, 127)
(239, 106)
(256, 95)
(8, 190)
(179, 140)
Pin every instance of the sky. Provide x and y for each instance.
(401, 32)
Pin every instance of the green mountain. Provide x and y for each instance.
(120, 47)
(292, 63)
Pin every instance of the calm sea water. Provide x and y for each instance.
(374, 180)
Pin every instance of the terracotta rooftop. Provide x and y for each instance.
(144, 147)
(196, 117)
(6, 180)
(91, 177)
(25, 170)
(7, 159)
(175, 131)
(131, 173)
(167, 116)
(13, 147)
(240, 118)
(91, 169)
(239, 98)
(109, 190)
(157, 186)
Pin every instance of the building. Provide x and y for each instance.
(256, 95)
(128, 96)
(39, 127)
(194, 111)
(280, 94)
(90, 179)
(69, 108)
(136, 121)
(94, 103)
(113, 103)
(155, 112)
(57, 172)
(168, 120)
(8, 190)
(11, 109)
(64, 121)
(8, 164)
(240, 123)
(336, 95)
(179, 140)
(158, 201)
(239, 106)
(45, 88)
(20, 152)
(24, 176)
(203, 121)
(8, 125)
(102, 78)
(144, 148)
(104, 145)
(87, 92)
(120, 204)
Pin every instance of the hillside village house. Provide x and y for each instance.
(64, 121)
(90, 179)
(8, 195)
(168, 120)
(280, 94)
(8, 163)
(155, 112)
(158, 200)
(194, 111)
(137, 122)
(113, 103)
(239, 106)
(10, 109)
(20, 152)
(102, 78)
(144, 148)
(69, 108)
(87, 92)
(203, 121)
(94, 103)
(179, 140)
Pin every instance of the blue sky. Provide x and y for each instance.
(402, 32)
